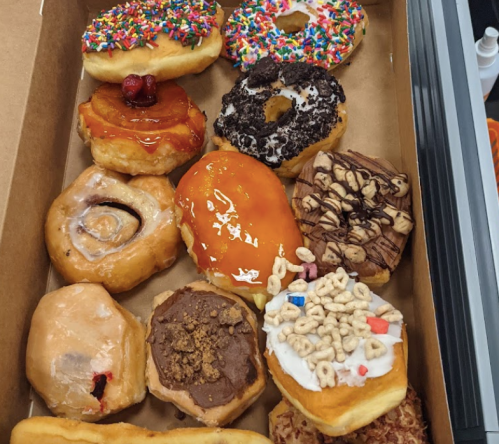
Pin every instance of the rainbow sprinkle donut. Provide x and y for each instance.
(164, 38)
(334, 29)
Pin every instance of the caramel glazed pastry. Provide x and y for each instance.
(111, 229)
(46, 430)
(141, 127)
(354, 212)
(402, 425)
(86, 354)
(202, 353)
(282, 114)
(336, 350)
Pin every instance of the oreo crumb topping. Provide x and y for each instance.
(314, 95)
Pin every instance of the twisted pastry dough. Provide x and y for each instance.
(107, 229)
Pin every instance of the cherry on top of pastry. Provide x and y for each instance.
(239, 216)
(139, 91)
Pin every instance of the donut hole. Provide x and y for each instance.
(292, 23)
(276, 107)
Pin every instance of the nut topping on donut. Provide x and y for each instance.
(355, 212)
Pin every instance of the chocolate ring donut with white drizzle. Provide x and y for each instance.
(282, 114)
(108, 228)
(354, 212)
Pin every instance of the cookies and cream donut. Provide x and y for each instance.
(133, 139)
(282, 114)
(108, 228)
(86, 353)
(322, 33)
(235, 219)
(203, 353)
(354, 212)
(164, 38)
(47, 430)
(402, 425)
(340, 355)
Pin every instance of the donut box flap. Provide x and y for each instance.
(42, 154)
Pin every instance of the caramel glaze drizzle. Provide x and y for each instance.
(359, 209)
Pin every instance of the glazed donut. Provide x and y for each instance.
(46, 430)
(354, 212)
(404, 425)
(235, 220)
(322, 33)
(107, 228)
(164, 38)
(340, 356)
(282, 114)
(202, 353)
(142, 140)
(86, 354)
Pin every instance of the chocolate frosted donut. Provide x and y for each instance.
(354, 212)
(203, 353)
(282, 114)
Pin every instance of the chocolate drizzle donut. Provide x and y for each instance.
(278, 110)
(354, 212)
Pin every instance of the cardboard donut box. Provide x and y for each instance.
(42, 82)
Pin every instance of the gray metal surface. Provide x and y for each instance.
(473, 191)
(484, 209)
(461, 211)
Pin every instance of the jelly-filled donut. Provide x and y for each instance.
(86, 354)
(354, 212)
(165, 38)
(142, 127)
(282, 114)
(322, 33)
(112, 229)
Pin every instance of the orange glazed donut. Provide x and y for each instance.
(235, 219)
(139, 139)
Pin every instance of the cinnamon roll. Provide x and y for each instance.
(107, 228)
(354, 212)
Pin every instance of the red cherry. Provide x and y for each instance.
(149, 88)
(131, 87)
